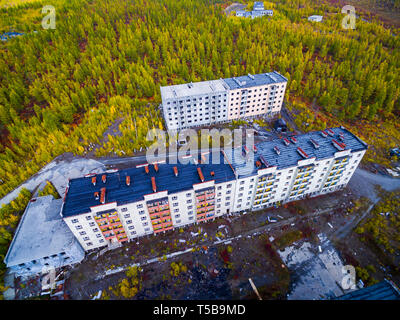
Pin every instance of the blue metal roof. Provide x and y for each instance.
(385, 290)
(255, 80)
(289, 156)
(80, 195)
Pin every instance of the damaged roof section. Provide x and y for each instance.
(42, 238)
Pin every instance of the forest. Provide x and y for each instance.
(61, 89)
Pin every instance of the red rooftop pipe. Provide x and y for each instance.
(176, 171)
(200, 174)
(103, 195)
(128, 180)
(153, 184)
(104, 178)
(94, 180)
(146, 168)
(156, 167)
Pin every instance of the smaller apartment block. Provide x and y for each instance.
(210, 102)
(258, 11)
(152, 198)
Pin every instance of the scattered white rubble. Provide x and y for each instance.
(319, 273)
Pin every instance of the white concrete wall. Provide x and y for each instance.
(86, 230)
(261, 100)
(195, 110)
(244, 192)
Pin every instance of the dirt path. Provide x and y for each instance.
(234, 7)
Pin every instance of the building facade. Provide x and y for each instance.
(210, 102)
(152, 198)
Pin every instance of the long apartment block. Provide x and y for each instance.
(102, 209)
(217, 101)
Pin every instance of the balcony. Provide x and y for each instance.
(113, 216)
(167, 225)
(200, 215)
(119, 230)
(169, 228)
(155, 215)
(109, 237)
(115, 224)
(123, 239)
(200, 198)
(100, 220)
(158, 212)
(156, 220)
(163, 207)
(105, 228)
(165, 212)
(152, 209)
(121, 235)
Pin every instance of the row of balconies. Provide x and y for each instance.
(205, 209)
(163, 229)
(209, 196)
(336, 173)
(205, 204)
(308, 169)
(263, 184)
(300, 176)
(298, 183)
(157, 204)
(160, 214)
(158, 209)
(345, 160)
(161, 218)
(292, 194)
(206, 218)
(162, 225)
(329, 184)
(203, 214)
